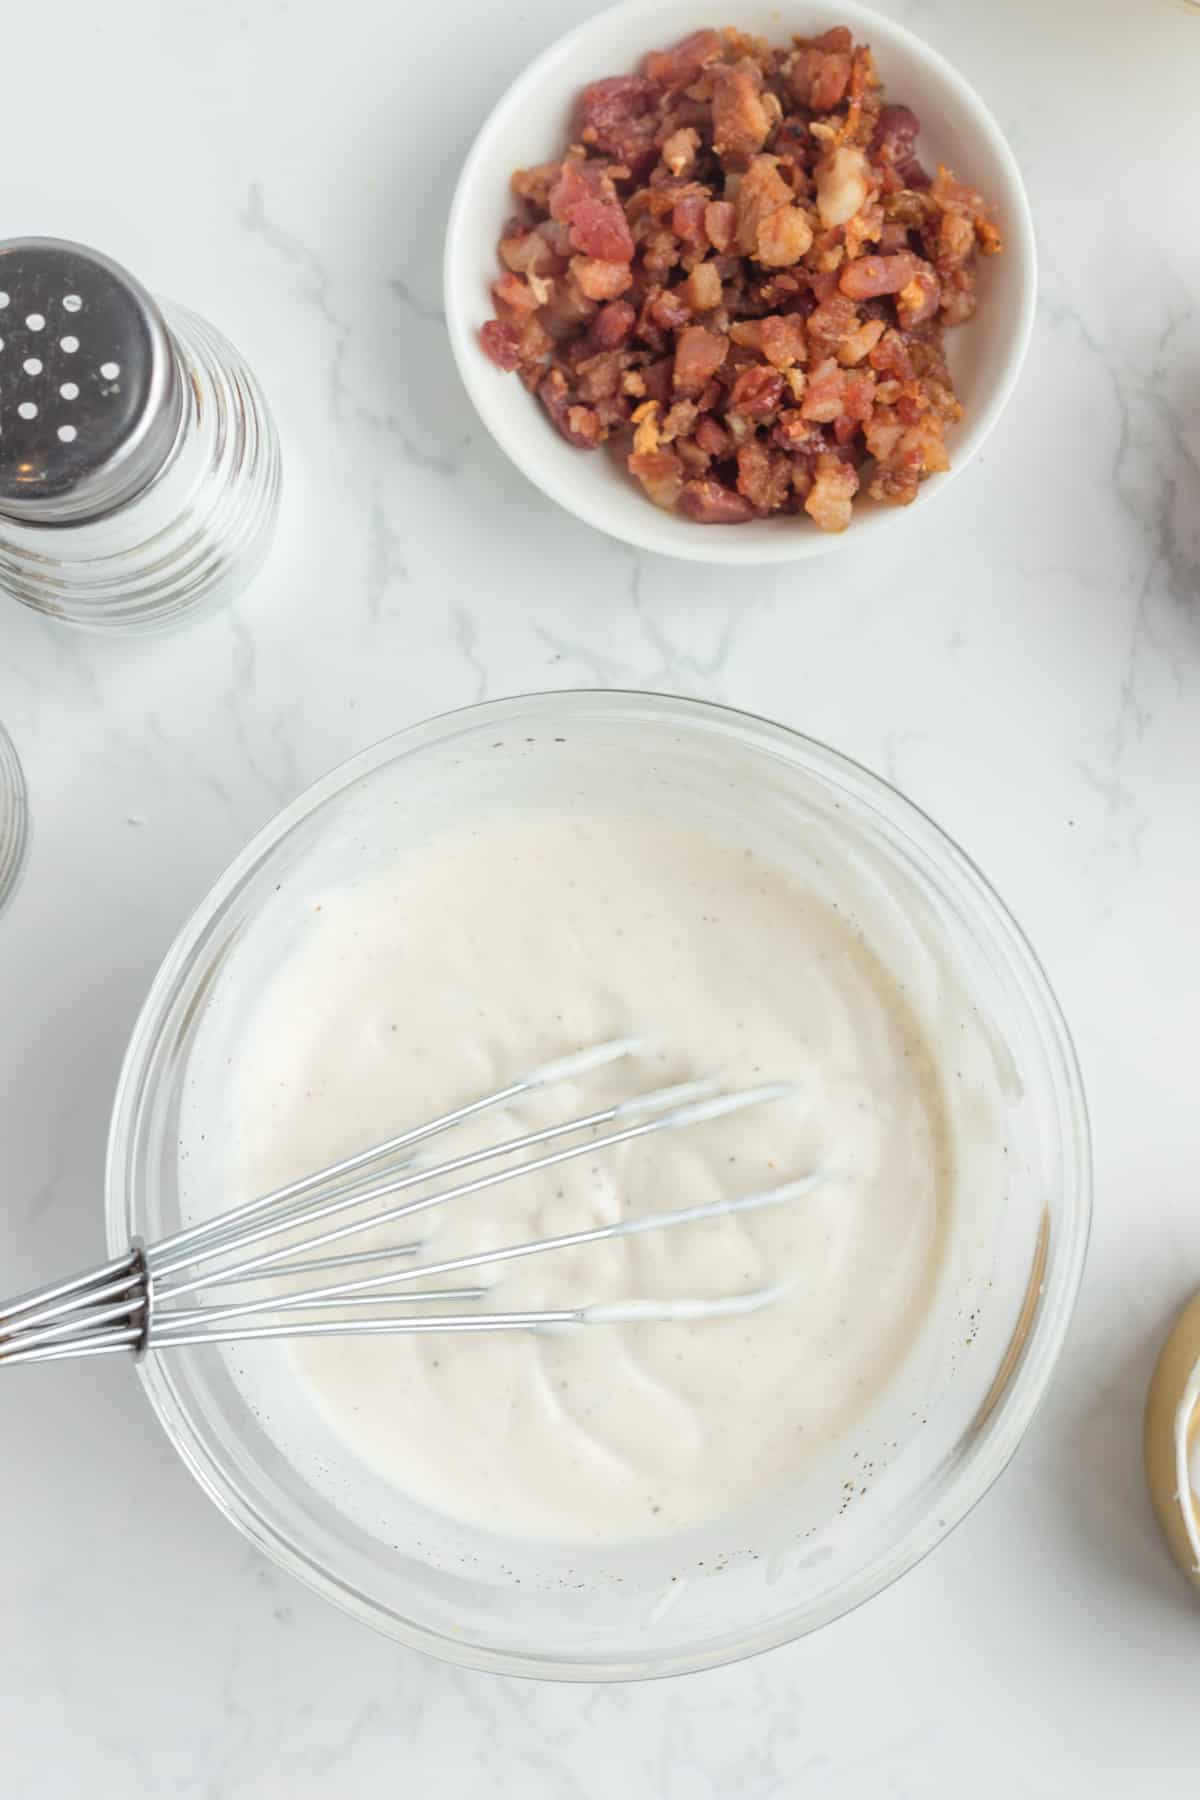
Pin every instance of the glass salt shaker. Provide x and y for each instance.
(14, 817)
(139, 466)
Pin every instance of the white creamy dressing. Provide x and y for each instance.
(494, 949)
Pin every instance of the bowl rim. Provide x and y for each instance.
(1005, 1417)
(762, 541)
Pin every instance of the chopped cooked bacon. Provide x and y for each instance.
(710, 502)
(756, 393)
(660, 473)
(780, 337)
(619, 117)
(740, 274)
(687, 219)
(919, 299)
(783, 237)
(680, 66)
(819, 78)
(835, 484)
(761, 192)
(679, 150)
(823, 393)
(893, 148)
(699, 353)
(515, 299)
(871, 276)
(580, 425)
(702, 289)
(610, 326)
(712, 436)
(764, 476)
(843, 183)
(502, 344)
(720, 224)
(601, 280)
(740, 120)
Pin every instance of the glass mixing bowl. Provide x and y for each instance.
(957, 1408)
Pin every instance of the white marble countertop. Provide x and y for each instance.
(1024, 660)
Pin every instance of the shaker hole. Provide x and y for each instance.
(71, 302)
(69, 390)
(67, 434)
(27, 409)
(110, 370)
(69, 344)
(35, 321)
(32, 365)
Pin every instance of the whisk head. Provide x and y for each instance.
(169, 1294)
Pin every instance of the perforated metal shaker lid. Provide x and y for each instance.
(91, 391)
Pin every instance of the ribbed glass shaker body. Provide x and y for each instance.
(14, 817)
(195, 534)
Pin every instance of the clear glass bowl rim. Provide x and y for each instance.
(998, 1436)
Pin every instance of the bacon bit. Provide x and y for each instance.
(894, 146)
(819, 78)
(611, 326)
(698, 354)
(702, 289)
(763, 476)
(823, 394)
(756, 392)
(680, 66)
(741, 123)
(833, 323)
(533, 185)
(838, 37)
(618, 116)
(501, 343)
(580, 425)
(720, 224)
(514, 298)
(679, 420)
(687, 219)
(710, 502)
(646, 437)
(528, 253)
(601, 280)
(668, 309)
(872, 276)
(780, 337)
(855, 348)
(761, 192)
(835, 484)
(598, 226)
(599, 377)
(843, 183)
(712, 437)
(858, 396)
(679, 150)
(660, 473)
(783, 238)
(535, 343)
(919, 299)
(795, 433)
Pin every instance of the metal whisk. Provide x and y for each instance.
(155, 1297)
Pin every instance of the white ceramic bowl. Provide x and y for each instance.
(529, 124)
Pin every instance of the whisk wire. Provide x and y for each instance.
(132, 1301)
